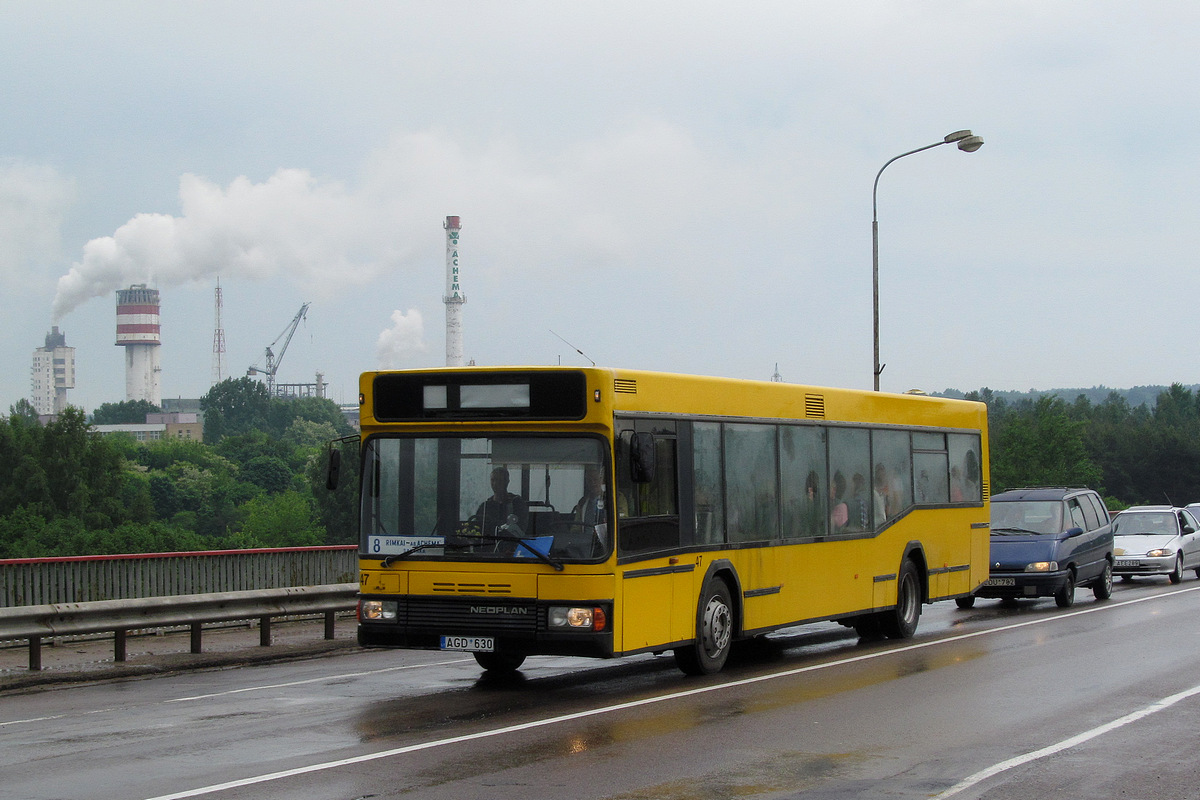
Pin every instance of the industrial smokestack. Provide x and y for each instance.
(137, 332)
(454, 297)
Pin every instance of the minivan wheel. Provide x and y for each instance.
(1102, 588)
(1065, 597)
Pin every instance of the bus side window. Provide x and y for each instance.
(649, 512)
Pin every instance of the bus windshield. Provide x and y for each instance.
(485, 498)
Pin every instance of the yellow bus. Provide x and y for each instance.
(515, 511)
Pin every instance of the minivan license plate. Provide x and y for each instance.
(472, 644)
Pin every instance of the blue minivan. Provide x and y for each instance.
(1046, 542)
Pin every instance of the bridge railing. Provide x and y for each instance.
(60, 597)
(83, 579)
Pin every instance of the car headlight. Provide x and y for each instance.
(377, 609)
(1160, 552)
(577, 618)
(1042, 566)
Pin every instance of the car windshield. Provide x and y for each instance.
(1027, 516)
(1145, 522)
(485, 498)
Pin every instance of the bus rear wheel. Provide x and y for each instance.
(499, 662)
(714, 633)
(901, 621)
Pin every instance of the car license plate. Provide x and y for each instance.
(1000, 582)
(472, 644)
(1126, 563)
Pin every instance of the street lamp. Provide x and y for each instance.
(968, 143)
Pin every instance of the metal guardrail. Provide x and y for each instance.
(80, 579)
(121, 616)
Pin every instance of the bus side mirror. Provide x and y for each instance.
(642, 458)
(335, 468)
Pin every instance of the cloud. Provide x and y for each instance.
(33, 200)
(404, 339)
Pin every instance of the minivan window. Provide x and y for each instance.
(1076, 512)
(1089, 512)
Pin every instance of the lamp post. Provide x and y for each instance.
(968, 143)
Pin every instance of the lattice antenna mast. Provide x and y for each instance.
(218, 359)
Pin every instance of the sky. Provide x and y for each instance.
(672, 186)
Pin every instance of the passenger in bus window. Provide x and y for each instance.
(859, 515)
(839, 513)
(495, 511)
(882, 496)
(812, 519)
(590, 508)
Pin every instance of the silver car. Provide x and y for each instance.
(1156, 540)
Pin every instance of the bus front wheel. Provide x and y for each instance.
(499, 662)
(714, 633)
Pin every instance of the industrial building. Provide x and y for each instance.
(53, 374)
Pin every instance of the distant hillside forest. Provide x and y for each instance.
(257, 479)
(1132, 448)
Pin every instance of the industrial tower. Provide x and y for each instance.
(138, 333)
(454, 298)
(218, 371)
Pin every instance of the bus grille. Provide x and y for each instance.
(453, 616)
(625, 386)
(472, 588)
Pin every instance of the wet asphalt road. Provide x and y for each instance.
(1066, 698)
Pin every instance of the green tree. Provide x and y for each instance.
(337, 510)
(127, 412)
(235, 406)
(1038, 444)
(281, 520)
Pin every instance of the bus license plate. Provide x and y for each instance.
(471, 644)
(1000, 582)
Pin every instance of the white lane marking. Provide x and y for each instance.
(58, 716)
(325, 679)
(1066, 744)
(366, 757)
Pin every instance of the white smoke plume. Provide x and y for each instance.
(403, 340)
(317, 233)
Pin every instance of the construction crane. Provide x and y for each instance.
(273, 361)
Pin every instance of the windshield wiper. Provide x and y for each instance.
(1017, 530)
(482, 537)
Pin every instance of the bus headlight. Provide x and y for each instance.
(577, 618)
(377, 609)
(1042, 566)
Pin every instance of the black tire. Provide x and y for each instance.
(499, 662)
(714, 632)
(1065, 597)
(869, 627)
(1176, 575)
(965, 602)
(901, 621)
(1127, 579)
(1102, 588)
(1198, 572)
